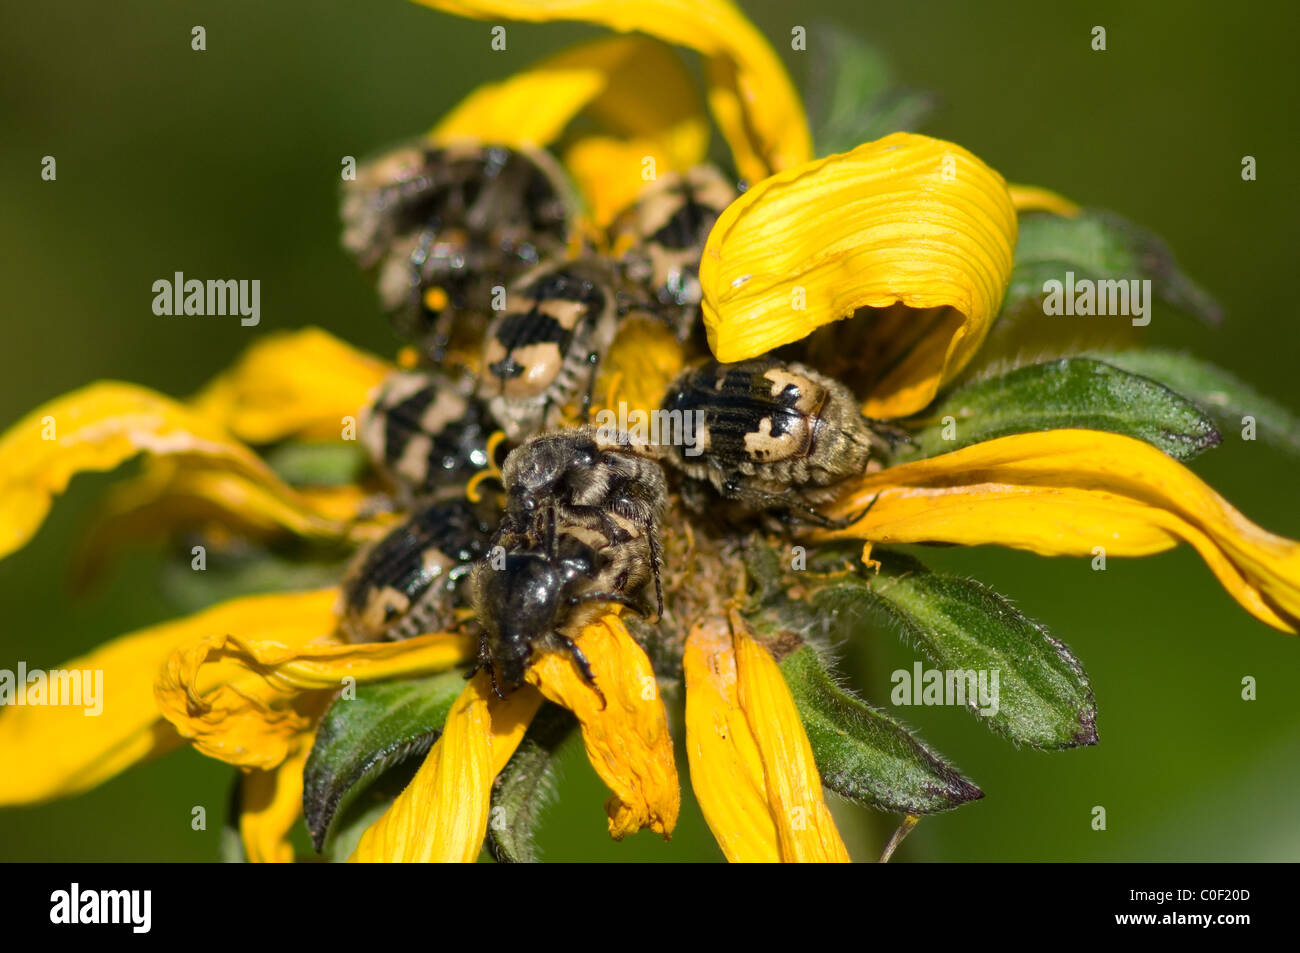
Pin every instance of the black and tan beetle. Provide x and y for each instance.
(445, 225)
(580, 531)
(412, 581)
(543, 351)
(660, 238)
(770, 435)
(426, 433)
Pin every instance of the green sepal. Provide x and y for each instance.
(359, 739)
(525, 786)
(1070, 392)
(1044, 698)
(863, 754)
(1219, 393)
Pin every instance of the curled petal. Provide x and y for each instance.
(627, 737)
(752, 766)
(292, 384)
(1064, 492)
(907, 219)
(271, 803)
(442, 816)
(97, 428)
(1032, 198)
(248, 700)
(751, 96)
(62, 751)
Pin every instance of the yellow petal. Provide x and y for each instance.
(627, 738)
(292, 384)
(248, 699)
(97, 428)
(271, 803)
(608, 173)
(751, 95)
(906, 219)
(726, 766)
(1064, 492)
(605, 79)
(752, 766)
(442, 815)
(794, 787)
(638, 367)
(1032, 198)
(56, 751)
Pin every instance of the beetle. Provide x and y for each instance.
(773, 436)
(660, 238)
(426, 432)
(580, 531)
(542, 353)
(412, 581)
(445, 225)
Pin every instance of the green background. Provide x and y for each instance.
(225, 164)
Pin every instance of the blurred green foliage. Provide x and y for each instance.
(225, 163)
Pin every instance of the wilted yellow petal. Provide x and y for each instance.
(54, 751)
(751, 95)
(270, 805)
(247, 699)
(794, 787)
(627, 738)
(97, 428)
(726, 768)
(638, 367)
(442, 815)
(905, 219)
(292, 384)
(1032, 198)
(1064, 492)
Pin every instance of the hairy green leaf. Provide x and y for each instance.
(1226, 398)
(1043, 697)
(865, 755)
(358, 739)
(525, 786)
(1071, 392)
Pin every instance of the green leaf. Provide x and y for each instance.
(327, 463)
(1223, 396)
(230, 846)
(526, 785)
(852, 98)
(865, 755)
(386, 724)
(1043, 697)
(1099, 245)
(1071, 392)
(361, 812)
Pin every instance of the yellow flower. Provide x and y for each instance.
(910, 237)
